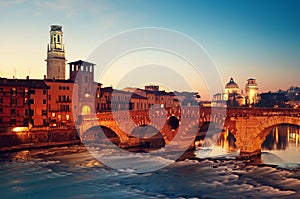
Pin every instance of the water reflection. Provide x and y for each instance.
(219, 144)
(282, 144)
(282, 137)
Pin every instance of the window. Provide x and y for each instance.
(44, 112)
(53, 114)
(25, 101)
(32, 92)
(31, 101)
(13, 91)
(44, 101)
(26, 112)
(44, 92)
(12, 111)
(1, 100)
(58, 39)
(49, 97)
(26, 122)
(49, 106)
(1, 110)
(60, 88)
(13, 122)
(31, 112)
(67, 117)
(13, 101)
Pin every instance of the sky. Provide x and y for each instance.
(257, 38)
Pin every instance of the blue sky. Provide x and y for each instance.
(244, 38)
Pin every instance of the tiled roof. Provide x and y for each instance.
(31, 83)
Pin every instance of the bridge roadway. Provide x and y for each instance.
(180, 125)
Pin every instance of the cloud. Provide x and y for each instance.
(8, 3)
(64, 6)
(70, 8)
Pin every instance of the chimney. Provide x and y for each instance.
(44, 76)
(27, 77)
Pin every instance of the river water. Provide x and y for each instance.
(72, 172)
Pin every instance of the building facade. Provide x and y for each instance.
(85, 91)
(60, 100)
(23, 102)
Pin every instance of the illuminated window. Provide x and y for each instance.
(53, 114)
(67, 117)
(59, 117)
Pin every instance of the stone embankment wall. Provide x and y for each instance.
(38, 138)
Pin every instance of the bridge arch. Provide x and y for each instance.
(211, 133)
(275, 121)
(100, 135)
(149, 136)
(251, 131)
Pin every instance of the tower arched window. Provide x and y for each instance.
(58, 39)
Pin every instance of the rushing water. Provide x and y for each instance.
(71, 172)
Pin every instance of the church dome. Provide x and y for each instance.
(231, 84)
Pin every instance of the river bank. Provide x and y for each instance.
(38, 138)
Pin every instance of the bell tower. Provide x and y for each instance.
(56, 61)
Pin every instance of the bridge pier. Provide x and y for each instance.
(247, 137)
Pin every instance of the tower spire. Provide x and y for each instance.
(56, 61)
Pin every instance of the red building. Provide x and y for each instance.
(60, 102)
(23, 102)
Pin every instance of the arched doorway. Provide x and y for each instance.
(86, 110)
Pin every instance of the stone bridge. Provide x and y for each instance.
(249, 126)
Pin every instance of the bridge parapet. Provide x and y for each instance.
(249, 125)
